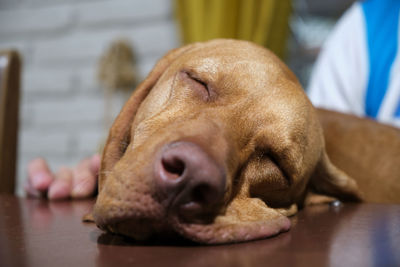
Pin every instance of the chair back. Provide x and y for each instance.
(10, 68)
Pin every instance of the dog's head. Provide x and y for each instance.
(218, 144)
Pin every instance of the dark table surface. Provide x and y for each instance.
(41, 233)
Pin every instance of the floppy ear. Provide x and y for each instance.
(329, 183)
(119, 135)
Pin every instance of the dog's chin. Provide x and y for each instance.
(218, 232)
(138, 229)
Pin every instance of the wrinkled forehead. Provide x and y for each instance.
(253, 70)
(232, 58)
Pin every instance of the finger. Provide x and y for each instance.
(30, 191)
(84, 181)
(95, 164)
(84, 184)
(62, 185)
(39, 175)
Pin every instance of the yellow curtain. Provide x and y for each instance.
(264, 22)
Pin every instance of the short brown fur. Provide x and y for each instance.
(254, 120)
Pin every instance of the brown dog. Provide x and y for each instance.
(219, 144)
(367, 151)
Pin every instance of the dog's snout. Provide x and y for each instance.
(192, 182)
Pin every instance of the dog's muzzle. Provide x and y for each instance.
(189, 183)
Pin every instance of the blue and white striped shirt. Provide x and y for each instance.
(358, 70)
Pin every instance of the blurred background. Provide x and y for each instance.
(69, 48)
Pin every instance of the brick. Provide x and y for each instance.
(87, 47)
(148, 63)
(45, 81)
(105, 13)
(10, 4)
(155, 40)
(61, 41)
(18, 23)
(21, 46)
(86, 79)
(89, 141)
(40, 141)
(47, 3)
(70, 113)
(25, 114)
(118, 101)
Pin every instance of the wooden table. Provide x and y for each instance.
(40, 233)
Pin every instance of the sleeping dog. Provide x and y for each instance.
(218, 144)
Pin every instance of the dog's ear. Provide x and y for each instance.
(119, 135)
(329, 183)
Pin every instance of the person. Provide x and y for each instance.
(355, 73)
(357, 70)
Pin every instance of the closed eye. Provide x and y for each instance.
(197, 84)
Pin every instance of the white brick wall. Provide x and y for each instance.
(61, 41)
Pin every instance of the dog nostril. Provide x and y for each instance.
(173, 166)
(191, 184)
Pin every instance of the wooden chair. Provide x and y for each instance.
(10, 68)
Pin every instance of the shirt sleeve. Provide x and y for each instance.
(339, 76)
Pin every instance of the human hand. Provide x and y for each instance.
(77, 182)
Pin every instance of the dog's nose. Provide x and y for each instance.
(191, 181)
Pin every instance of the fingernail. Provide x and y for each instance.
(59, 191)
(95, 164)
(80, 190)
(41, 181)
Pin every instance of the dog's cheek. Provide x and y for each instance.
(267, 182)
